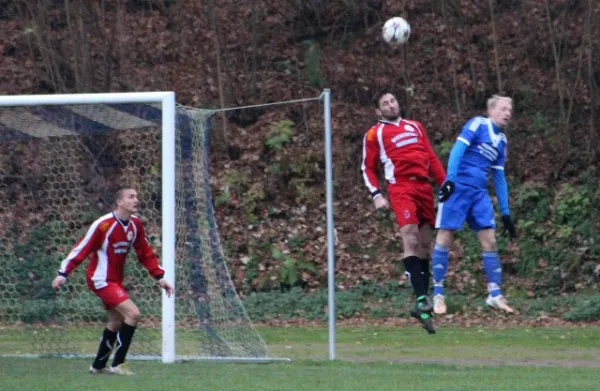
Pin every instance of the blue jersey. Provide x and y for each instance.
(486, 148)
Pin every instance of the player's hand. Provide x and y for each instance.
(509, 227)
(166, 286)
(58, 281)
(445, 191)
(380, 202)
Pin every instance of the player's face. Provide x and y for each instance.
(129, 201)
(501, 112)
(388, 107)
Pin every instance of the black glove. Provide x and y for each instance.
(509, 227)
(445, 191)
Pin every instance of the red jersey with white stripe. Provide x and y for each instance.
(108, 242)
(403, 149)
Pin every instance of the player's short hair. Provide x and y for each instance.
(377, 97)
(496, 98)
(121, 190)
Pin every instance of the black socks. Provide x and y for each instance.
(105, 349)
(123, 342)
(425, 273)
(412, 266)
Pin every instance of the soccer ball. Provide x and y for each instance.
(396, 31)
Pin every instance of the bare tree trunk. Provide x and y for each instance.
(121, 58)
(563, 137)
(108, 52)
(304, 116)
(495, 41)
(79, 58)
(453, 66)
(68, 67)
(43, 43)
(589, 48)
(553, 44)
(82, 43)
(254, 49)
(71, 28)
(573, 91)
(215, 25)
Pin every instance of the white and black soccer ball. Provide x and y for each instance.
(396, 31)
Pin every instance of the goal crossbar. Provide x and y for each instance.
(93, 98)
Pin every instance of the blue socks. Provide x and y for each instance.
(493, 272)
(440, 267)
(491, 266)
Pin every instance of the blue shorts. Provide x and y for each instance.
(466, 203)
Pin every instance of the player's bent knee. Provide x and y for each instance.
(134, 317)
(424, 249)
(130, 312)
(411, 243)
(487, 239)
(114, 324)
(444, 237)
(489, 245)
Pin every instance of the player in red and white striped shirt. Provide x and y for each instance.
(108, 242)
(403, 148)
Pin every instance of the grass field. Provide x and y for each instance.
(370, 358)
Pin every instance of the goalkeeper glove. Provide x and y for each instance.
(445, 191)
(509, 227)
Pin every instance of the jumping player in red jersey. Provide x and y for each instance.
(108, 241)
(403, 148)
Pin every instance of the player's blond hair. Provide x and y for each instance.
(496, 98)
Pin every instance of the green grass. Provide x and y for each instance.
(371, 358)
(512, 343)
(68, 375)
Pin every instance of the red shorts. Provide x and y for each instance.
(111, 295)
(412, 202)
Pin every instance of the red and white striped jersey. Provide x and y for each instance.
(108, 241)
(403, 149)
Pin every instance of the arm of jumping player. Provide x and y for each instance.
(501, 188)
(436, 170)
(86, 245)
(369, 168)
(456, 154)
(467, 135)
(149, 260)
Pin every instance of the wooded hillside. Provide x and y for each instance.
(267, 163)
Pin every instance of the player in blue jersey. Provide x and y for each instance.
(481, 146)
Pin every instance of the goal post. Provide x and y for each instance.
(60, 157)
(330, 224)
(168, 225)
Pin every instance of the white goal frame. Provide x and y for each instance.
(167, 101)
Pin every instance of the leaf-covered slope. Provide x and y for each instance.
(267, 163)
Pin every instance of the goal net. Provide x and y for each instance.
(59, 167)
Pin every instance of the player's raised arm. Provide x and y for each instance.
(467, 135)
(436, 170)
